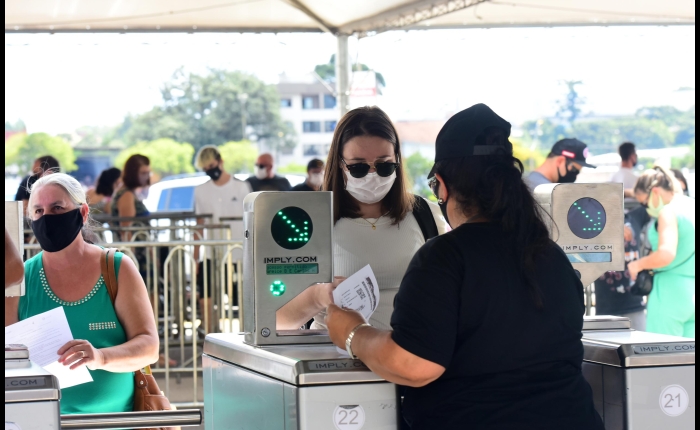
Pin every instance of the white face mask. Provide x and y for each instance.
(316, 179)
(261, 172)
(370, 189)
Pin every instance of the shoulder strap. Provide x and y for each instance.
(424, 218)
(109, 273)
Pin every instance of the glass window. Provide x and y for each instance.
(329, 101)
(163, 200)
(312, 126)
(329, 126)
(286, 103)
(318, 150)
(310, 102)
(181, 199)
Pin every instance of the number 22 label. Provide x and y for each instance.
(349, 417)
(673, 400)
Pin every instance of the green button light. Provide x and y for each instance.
(277, 288)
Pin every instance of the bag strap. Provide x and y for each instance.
(425, 219)
(109, 273)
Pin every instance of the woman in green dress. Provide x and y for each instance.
(112, 341)
(671, 305)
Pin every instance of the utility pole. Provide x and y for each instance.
(342, 73)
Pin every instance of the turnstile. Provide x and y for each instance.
(31, 395)
(291, 387)
(640, 380)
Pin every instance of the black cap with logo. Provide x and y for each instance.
(457, 138)
(574, 150)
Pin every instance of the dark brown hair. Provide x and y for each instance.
(365, 121)
(130, 174)
(492, 186)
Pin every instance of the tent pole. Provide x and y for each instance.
(342, 73)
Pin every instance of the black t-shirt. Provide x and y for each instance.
(302, 187)
(463, 304)
(276, 183)
(24, 187)
(612, 289)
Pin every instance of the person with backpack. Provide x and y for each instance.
(378, 221)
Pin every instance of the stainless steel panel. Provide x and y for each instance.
(244, 400)
(605, 322)
(630, 348)
(294, 364)
(34, 415)
(645, 402)
(317, 405)
(208, 369)
(614, 396)
(291, 405)
(557, 199)
(25, 381)
(260, 305)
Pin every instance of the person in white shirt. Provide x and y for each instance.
(222, 197)
(378, 221)
(626, 174)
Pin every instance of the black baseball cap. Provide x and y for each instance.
(457, 138)
(572, 149)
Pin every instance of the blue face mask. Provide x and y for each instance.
(55, 232)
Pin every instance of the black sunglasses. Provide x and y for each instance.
(361, 169)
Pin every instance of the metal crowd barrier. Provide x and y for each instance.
(171, 283)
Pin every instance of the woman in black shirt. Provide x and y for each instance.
(487, 321)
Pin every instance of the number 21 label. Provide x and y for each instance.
(673, 400)
(349, 417)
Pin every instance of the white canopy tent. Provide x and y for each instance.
(343, 18)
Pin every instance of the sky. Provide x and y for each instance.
(57, 83)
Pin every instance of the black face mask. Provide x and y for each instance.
(55, 232)
(569, 177)
(214, 173)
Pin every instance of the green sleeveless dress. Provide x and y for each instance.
(671, 304)
(91, 318)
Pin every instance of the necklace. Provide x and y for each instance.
(373, 224)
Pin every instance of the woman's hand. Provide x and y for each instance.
(633, 267)
(79, 352)
(323, 293)
(340, 323)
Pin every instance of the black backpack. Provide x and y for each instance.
(424, 218)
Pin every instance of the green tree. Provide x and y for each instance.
(239, 157)
(167, 156)
(293, 168)
(22, 149)
(417, 168)
(211, 109)
(17, 126)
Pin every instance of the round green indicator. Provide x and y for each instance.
(586, 218)
(277, 288)
(286, 227)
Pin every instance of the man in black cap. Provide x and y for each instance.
(314, 177)
(563, 164)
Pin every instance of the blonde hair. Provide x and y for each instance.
(657, 177)
(205, 155)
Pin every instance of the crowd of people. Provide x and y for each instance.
(454, 276)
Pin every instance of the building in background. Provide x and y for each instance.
(309, 105)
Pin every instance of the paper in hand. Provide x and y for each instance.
(44, 334)
(359, 292)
